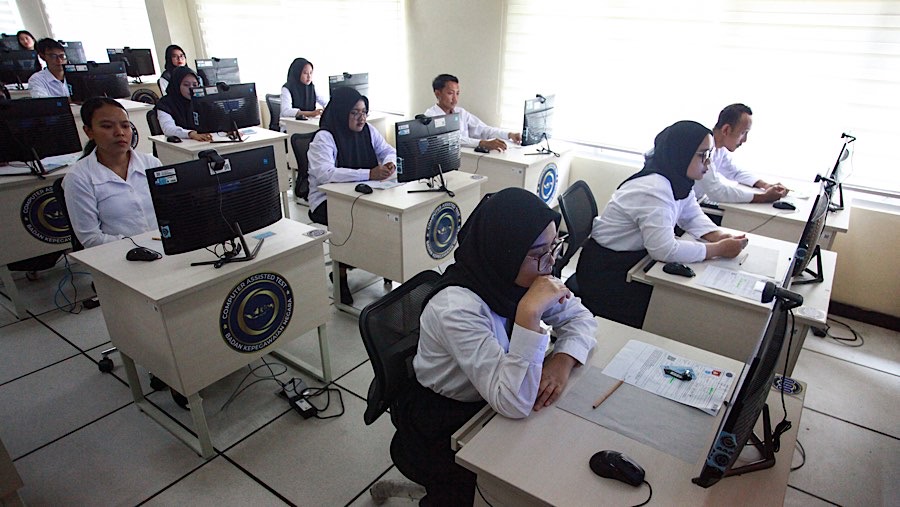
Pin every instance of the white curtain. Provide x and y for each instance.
(623, 70)
(337, 36)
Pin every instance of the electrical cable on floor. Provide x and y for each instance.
(802, 455)
(71, 306)
(845, 341)
(260, 378)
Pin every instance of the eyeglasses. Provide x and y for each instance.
(705, 156)
(356, 114)
(55, 56)
(546, 260)
(179, 57)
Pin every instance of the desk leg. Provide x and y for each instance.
(323, 374)
(202, 445)
(336, 290)
(285, 205)
(12, 301)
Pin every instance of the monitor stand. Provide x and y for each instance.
(234, 136)
(765, 446)
(442, 188)
(817, 274)
(233, 254)
(544, 150)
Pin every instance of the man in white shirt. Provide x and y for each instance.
(50, 82)
(726, 182)
(473, 132)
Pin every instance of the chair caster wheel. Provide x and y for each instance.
(179, 399)
(156, 384)
(105, 365)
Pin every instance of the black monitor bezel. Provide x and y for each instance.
(138, 61)
(44, 145)
(80, 81)
(542, 104)
(217, 64)
(418, 129)
(358, 81)
(203, 94)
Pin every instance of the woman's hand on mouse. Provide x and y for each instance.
(196, 136)
(382, 172)
(544, 292)
(554, 377)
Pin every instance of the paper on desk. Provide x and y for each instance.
(641, 365)
(383, 184)
(734, 282)
(754, 259)
(220, 137)
(50, 164)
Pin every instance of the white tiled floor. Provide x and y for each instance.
(77, 439)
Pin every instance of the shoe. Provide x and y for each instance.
(346, 297)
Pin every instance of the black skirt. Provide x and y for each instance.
(602, 286)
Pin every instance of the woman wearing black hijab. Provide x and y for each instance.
(481, 340)
(298, 95)
(345, 149)
(174, 110)
(175, 57)
(641, 218)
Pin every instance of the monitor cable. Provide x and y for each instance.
(845, 340)
(799, 447)
(773, 217)
(783, 426)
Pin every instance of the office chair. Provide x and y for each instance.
(274, 103)
(390, 331)
(145, 95)
(578, 209)
(300, 144)
(155, 128)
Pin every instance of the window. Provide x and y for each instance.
(624, 70)
(10, 21)
(101, 24)
(335, 35)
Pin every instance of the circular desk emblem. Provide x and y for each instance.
(256, 312)
(42, 216)
(440, 233)
(786, 384)
(547, 183)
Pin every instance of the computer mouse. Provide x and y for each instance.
(173, 139)
(615, 465)
(677, 268)
(783, 205)
(142, 254)
(363, 188)
(479, 149)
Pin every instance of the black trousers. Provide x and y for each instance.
(602, 286)
(420, 448)
(320, 214)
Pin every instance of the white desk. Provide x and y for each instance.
(30, 225)
(173, 318)
(133, 87)
(786, 225)
(187, 149)
(682, 309)
(396, 234)
(543, 459)
(545, 175)
(292, 126)
(137, 113)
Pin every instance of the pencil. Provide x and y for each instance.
(607, 394)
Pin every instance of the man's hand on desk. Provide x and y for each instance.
(196, 136)
(728, 247)
(492, 144)
(771, 194)
(515, 137)
(382, 172)
(554, 377)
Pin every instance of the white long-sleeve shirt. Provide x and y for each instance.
(464, 351)
(44, 84)
(287, 108)
(102, 206)
(643, 213)
(323, 163)
(725, 181)
(169, 127)
(471, 128)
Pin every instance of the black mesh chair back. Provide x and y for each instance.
(578, 209)
(60, 195)
(390, 332)
(274, 103)
(153, 124)
(145, 95)
(300, 144)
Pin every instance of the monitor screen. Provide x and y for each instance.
(196, 209)
(16, 66)
(538, 119)
(225, 108)
(37, 128)
(74, 52)
(10, 42)
(812, 231)
(138, 62)
(427, 147)
(359, 82)
(218, 70)
(93, 79)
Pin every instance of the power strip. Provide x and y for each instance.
(302, 406)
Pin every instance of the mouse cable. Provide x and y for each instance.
(482, 495)
(784, 425)
(71, 306)
(318, 391)
(238, 390)
(648, 498)
(773, 217)
(802, 455)
(352, 205)
(842, 340)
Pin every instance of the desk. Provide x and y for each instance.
(187, 149)
(544, 175)
(292, 126)
(543, 459)
(31, 224)
(137, 113)
(396, 234)
(787, 225)
(682, 309)
(173, 318)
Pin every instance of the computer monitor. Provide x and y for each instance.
(225, 108)
(94, 79)
(32, 129)
(17, 65)
(359, 82)
(538, 119)
(839, 173)
(808, 246)
(215, 200)
(218, 70)
(427, 147)
(74, 52)
(10, 42)
(138, 62)
(749, 399)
